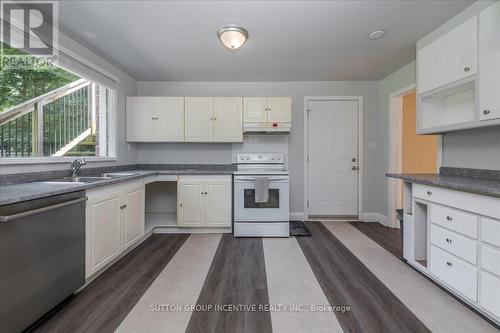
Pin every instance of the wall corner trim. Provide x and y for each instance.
(296, 216)
(375, 217)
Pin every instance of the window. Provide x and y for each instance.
(48, 111)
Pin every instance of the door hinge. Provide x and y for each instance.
(308, 112)
(307, 203)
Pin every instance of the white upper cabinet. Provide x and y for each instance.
(228, 119)
(155, 119)
(199, 113)
(458, 73)
(267, 109)
(255, 109)
(279, 109)
(489, 62)
(449, 58)
(170, 122)
(141, 123)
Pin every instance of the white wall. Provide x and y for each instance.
(476, 148)
(126, 87)
(223, 153)
(390, 84)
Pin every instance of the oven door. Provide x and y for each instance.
(274, 210)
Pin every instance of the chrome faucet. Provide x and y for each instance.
(76, 165)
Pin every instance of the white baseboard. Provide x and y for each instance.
(296, 216)
(375, 217)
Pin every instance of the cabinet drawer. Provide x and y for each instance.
(460, 246)
(490, 231)
(475, 203)
(454, 272)
(490, 294)
(490, 259)
(455, 220)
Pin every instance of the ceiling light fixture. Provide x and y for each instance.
(232, 36)
(377, 34)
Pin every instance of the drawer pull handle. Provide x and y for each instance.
(123, 206)
(448, 240)
(449, 218)
(429, 193)
(486, 112)
(449, 263)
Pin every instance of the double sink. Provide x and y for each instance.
(94, 179)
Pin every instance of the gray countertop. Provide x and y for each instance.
(28, 191)
(481, 186)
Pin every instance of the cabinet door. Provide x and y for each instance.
(449, 58)
(190, 206)
(199, 113)
(133, 216)
(228, 119)
(103, 232)
(279, 109)
(255, 109)
(141, 119)
(170, 116)
(489, 62)
(218, 204)
(490, 293)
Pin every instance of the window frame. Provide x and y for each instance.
(112, 112)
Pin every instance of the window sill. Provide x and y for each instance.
(50, 160)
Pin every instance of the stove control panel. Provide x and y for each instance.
(260, 158)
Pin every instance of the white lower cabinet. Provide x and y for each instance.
(463, 241)
(454, 272)
(204, 201)
(490, 293)
(103, 231)
(133, 215)
(114, 221)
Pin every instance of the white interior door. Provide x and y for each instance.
(333, 158)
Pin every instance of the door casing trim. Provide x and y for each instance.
(358, 99)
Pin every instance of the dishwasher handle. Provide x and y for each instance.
(7, 218)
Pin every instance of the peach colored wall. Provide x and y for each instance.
(419, 151)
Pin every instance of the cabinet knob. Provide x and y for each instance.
(449, 218)
(123, 206)
(486, 111)
(429, 193)
(448, 240)
(466, 68)
(449, 263)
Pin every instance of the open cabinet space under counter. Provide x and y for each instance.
(453, 237)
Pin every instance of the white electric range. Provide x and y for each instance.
(261, 219)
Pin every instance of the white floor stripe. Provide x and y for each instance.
(291, 281)
(435, 308)
(179, 284)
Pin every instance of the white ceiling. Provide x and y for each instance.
(289, 40)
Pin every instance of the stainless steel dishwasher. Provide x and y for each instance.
(42, 257)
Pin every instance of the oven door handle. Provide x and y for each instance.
(252, 179)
